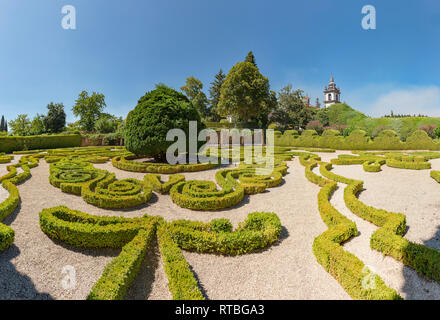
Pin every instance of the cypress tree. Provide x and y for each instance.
(2, 124)
(214, 94)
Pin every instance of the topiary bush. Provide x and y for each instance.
(156, 113)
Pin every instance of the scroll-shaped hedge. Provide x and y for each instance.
(259, 230)
(134, 236)
(98, 187)
(110, 193)
(7, 207)
(388, 239)
(72, 176)
(344, 266)
(205, 195)
(155, 181)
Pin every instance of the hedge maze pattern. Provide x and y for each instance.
(388, 239)
(72, 171)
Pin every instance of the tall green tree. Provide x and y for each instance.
(193, 89)
(20, 126)
(251, 58)
(214, 95)
(37, 125)
(3, 124)
(55, 120)
(245, 92)
(89, 109)
(291, 109)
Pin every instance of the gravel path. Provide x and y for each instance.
(32, 268)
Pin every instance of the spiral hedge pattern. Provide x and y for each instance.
(98, 187)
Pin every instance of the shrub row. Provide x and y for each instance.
(8, 206)
(181, 281)
(408, 164)
(327, 247)
(10, 143)
(389, 238)
(357, 140)
(126, 163)
(120, 273)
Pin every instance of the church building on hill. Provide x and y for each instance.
(332, 94)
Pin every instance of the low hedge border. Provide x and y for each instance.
(373, 165)
(181, 281)
(126, 163)
(6, 159)
(8, 206)
(134, 236)
(120, 273)
(388, 239)
(345, 267)
(408, 164)
(435, 175)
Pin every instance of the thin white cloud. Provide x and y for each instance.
(420, 100)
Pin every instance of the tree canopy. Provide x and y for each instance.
(55, 121)
(245, 92)
(158, 112)
(193, 90)
(89, 108)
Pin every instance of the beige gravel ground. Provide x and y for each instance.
(32, 268)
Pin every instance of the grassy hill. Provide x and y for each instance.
(346, 115)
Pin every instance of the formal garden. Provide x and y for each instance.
(347, 210)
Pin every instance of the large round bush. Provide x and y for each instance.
(156, 113)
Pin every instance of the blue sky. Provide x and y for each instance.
(123, 48)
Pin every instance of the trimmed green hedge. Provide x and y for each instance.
(7, 207)
(388, 239)
(234, 183)
(120, 273)
(435, 175)
(259, 230)
(10, 143)
(126, 163)
(181, 281)
(154, 180)
(327, 247)
(98, 187)
(358, 140)
(134, 236)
